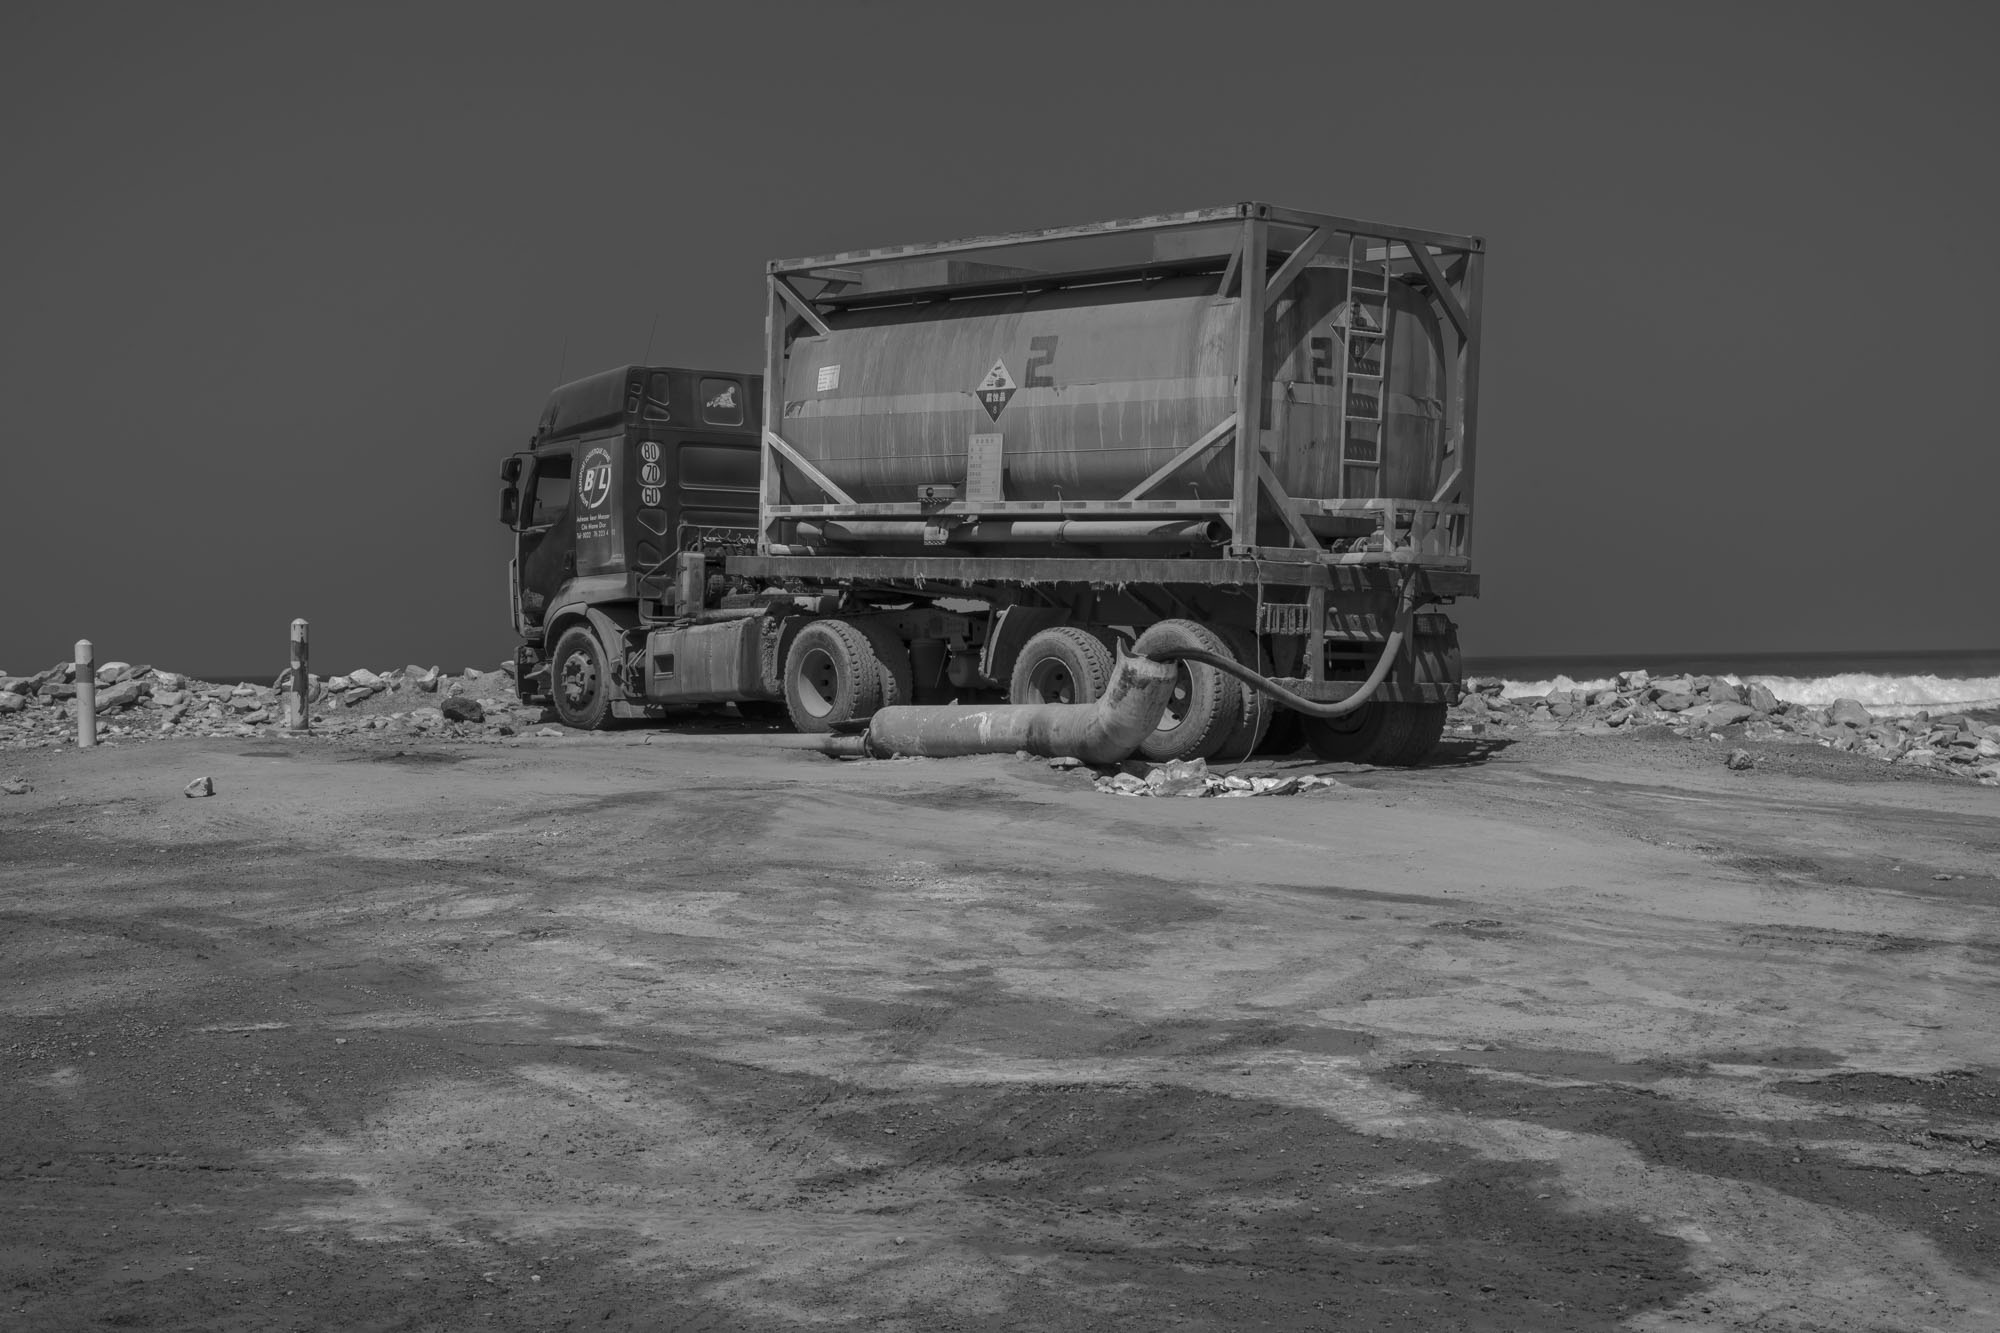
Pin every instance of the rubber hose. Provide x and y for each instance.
(1229, 666)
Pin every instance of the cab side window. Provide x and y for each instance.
(722, 402)
(553, 476)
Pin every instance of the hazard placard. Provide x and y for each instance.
(994, 391)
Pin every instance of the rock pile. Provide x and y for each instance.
(1699, 706)
(136, 702)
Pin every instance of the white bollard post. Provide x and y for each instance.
(86, 695)
(299, 703)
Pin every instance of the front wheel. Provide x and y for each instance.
(579, 685)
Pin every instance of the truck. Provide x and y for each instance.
(970, 470)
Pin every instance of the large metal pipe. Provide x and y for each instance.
(996, 532)
(1104, 732)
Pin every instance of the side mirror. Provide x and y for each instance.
(510, 469)
(510, 506)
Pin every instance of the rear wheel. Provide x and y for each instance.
(1206, 706)
(832, 676)
(579, 688)
(898, 678)
(1065, 664)
(1397, 735)
(1258, 708)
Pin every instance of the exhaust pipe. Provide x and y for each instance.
(1107, 731)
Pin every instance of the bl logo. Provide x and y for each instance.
(594, 485)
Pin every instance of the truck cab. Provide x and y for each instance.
(627, 470)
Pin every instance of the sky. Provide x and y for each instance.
(285, 283)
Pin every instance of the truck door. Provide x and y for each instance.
(546, 549)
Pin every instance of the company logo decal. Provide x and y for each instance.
(594, 482)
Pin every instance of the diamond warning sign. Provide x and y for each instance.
(994, 391)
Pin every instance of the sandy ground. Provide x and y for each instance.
(696, 1029)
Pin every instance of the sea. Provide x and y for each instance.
(1892, 684)
(1889, 684)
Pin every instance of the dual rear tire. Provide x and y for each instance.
(839, 672)
(1211, 715)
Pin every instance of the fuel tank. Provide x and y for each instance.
(1092, 388)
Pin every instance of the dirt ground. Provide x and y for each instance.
(696, 1029)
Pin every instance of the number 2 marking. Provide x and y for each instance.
(1041, 356)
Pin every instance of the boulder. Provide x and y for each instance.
(457, 708)
(55, 689)
(199, 787)
(15, 787)
(1633, 680)
(1722, 692)
(1760, 698)
(18, 684)
(122, 695)
(255, 717)
(1739, 760)
(364, 677)
(426, 718)
(1673, 701)
(1729, 714)
(428, 681)
(168, 680)
(1849, 713)
(109, 673)
(339, 683)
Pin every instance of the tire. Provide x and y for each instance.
(898, 676)
(579, 684)
(1064, 664)
(1395, 735)
(1258, 708)
(832, 677)
(1207, 705)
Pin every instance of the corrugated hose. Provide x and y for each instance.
(1406, 610)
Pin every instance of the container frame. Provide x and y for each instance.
(1271, 250)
